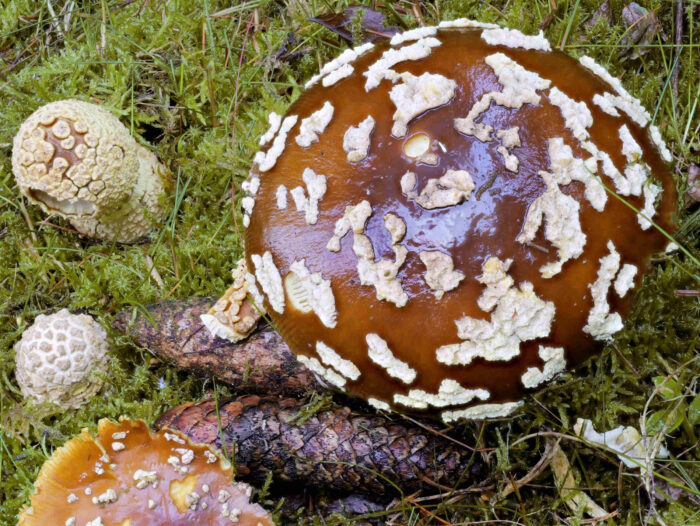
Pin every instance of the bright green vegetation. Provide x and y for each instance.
(171, 72)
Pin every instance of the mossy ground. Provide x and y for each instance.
(170, 71)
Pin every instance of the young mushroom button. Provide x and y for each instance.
(454, 242)
(76, 160)
(61, 358)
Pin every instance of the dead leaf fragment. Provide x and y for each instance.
(603, 12)
(578, 501)
(694, 182)
(369, 22)
(289, 51)
(642, 28)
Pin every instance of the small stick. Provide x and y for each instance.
(261, 364)
(687, 293)
(678, 41)
(335, 449)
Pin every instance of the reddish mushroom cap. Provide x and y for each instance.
(128, 476)
(435, 224)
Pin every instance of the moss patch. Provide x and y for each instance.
(170, 71)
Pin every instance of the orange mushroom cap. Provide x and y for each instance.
(128, 476)
(441, 223)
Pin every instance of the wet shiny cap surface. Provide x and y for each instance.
(452, 236)
(128, 476)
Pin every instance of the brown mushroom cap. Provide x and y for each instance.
(128, 476)
(498, 291)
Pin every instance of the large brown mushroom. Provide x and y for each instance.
(447, 221)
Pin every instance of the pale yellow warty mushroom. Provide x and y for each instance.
(60, 358)
(78, 161)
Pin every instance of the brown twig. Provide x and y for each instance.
(627, 363)
(538, 468)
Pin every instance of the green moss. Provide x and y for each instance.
(170, 72)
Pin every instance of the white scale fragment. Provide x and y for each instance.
(624, 101)
(337, 74)
(186, 455)
(515, 39)
(479, 412)
(637, 174)
(510, 138)
(560, 211)
(449, 190)
(519, 316)
(268, 159)
(601, 324)
(396, 227)
(413, 34)
(379, 404)
(449, 393)
(356, 140)
(255, 293)
(309, 292)
(327, 374)
(440, 274)
(569, 168)
(660, 144)
(381, 69)
(333, 359)
(379, 353)
(382, 274)
(622, 184)
(519, 87)
(174, 438)
(270, 280)
(651, 192)
(354, 218)
(577, 115)
(606, 102)
(251, 185)
(416, 95)
(144, 478)
(630, 147)
(625, 279)
(247, 203)
(274, 120)
(554, 363)
(466, 23)
(610, 103)
(313, 125)
(340, 67)
(107, 497)
(316, 187)
(511, 161)
(281, 197)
